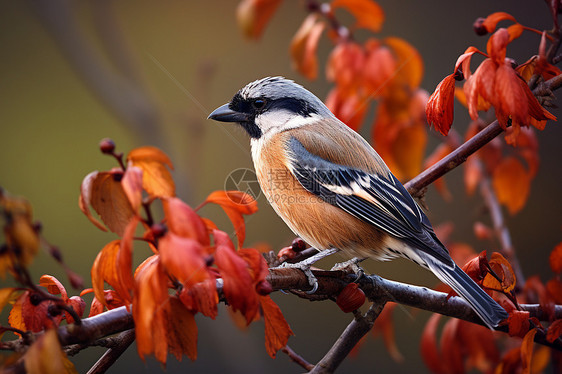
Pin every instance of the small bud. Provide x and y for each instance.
(479, 27)
(158, 230)
(459, 76)
(35, 299)
(298, 245)
(264, 288)
(350, 298)
(107, 146)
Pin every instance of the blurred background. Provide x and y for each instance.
(149, 73)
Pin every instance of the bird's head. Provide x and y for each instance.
(271, 105)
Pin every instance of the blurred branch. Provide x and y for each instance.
(123, 341)
(296, 358)
(118, 92)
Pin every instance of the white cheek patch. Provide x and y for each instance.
(281, 120)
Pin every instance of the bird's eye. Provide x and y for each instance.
(258, 103)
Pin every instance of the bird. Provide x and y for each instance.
(333, 189)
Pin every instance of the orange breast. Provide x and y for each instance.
(320, 224)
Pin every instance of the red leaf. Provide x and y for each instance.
(554, 331)
(346, 65)
(304, 45)
(428, 345)
(235, 204)
(53, 285)
(254, 15)
(380, 68)
(518, 323)
(451, 349)
(85, 199)
(440, 106)
(238, 287)
(497, 45)
(464, 61)
(502, 269)
(183, 259)
(368, 13)
(555, 259)
(156, 178)
(493, 19)
(184, 221)
(277, 330)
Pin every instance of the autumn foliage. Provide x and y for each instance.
(170, 263)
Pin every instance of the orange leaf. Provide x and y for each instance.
(238, 286)
(380, 68)
(511, 97)
(256, 263)
(151, 295)
(440, 106)
(304, 45)
(514, 31)
(555, 259)
(348, 108)
(277, 330)
(368, 13)
(27, 315)
(409, 63)
(554, 331)
(201, 297)
(183, 259)
(493, 19)
(109, 200)
(124, 264)
(472, 175)
(181, 330)
(408, 150)
(502, 268)
(7, 295)
(512, 184)
(156, 178)
(527, 351)
(235, 204)
(479, 346)
(385, 326)
(497, 44)
(45, 356)
(428, 345)
(554, 287)
(132, 185)
(464, 61)
(346, 65)
(85, 199)
(254, 15)
(53, 285)
(183, 221)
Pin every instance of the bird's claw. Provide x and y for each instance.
(351, 266)
(305, 265)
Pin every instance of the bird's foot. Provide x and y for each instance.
(352, 267)
(305, 265)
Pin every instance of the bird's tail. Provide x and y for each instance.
(487, 308)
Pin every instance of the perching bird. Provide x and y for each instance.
(333, 190)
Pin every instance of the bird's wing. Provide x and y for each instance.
(372, 198)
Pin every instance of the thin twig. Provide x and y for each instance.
(501, 230)
(348, 339)
(126, 338)
(296, 358)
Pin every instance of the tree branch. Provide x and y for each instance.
(360, 326)
(459, 155)
(125, 339)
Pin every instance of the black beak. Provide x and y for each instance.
(225, 114)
